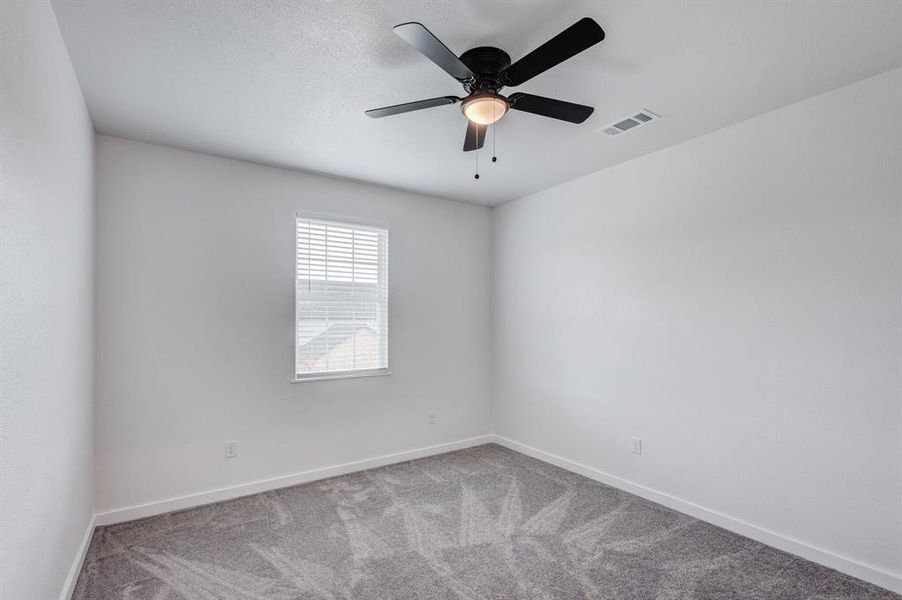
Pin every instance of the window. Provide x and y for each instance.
(341, 300)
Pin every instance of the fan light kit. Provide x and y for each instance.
(484, 109)
(485, 70)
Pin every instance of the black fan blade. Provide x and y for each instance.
(422, 39)
(397, 109)
(567, 44)
(475, 136)
(549, 107)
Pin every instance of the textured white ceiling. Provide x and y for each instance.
(286, 83)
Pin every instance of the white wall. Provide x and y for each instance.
(195, 330)
(736, 302)
(46, 307)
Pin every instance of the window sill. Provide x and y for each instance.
(342, 375)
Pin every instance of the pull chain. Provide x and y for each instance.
(494, 124)
(477, 157)
(494, 154)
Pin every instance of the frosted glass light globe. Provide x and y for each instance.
(485, 109)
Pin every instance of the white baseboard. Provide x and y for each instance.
(843, 564)
(75, 569)
(163, 506)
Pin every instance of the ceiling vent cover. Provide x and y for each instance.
(634, 121)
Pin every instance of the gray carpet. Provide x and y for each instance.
(479, 523)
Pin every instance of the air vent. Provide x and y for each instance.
(629, 123)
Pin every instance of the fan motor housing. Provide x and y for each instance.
(487, 63)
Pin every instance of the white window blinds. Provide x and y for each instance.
(341, 299)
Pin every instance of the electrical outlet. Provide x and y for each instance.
(231, 449)
(637, 445)
(430, 417)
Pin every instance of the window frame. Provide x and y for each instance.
(345, 221)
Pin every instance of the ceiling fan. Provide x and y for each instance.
(483, 71)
